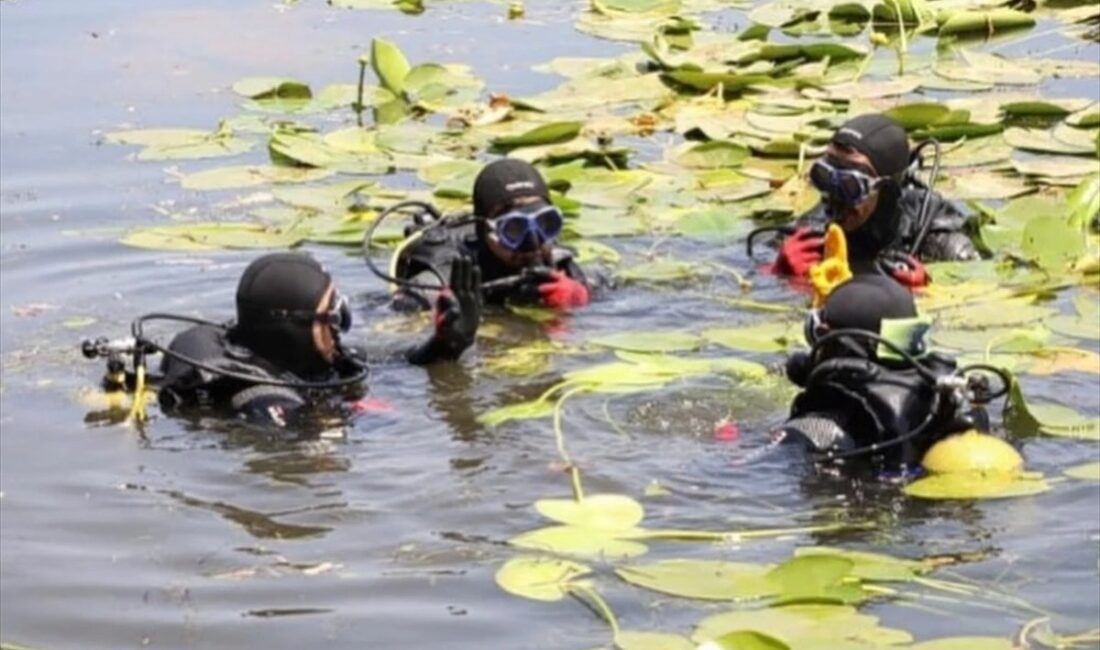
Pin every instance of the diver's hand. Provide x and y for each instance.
(801, 250)
(559, 291)
(458, 309)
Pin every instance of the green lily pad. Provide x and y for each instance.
(214, 236)
(271, 88)
(222, 178)
(966, 643)
(874, 567)
(746, 640)
(534, 409)
(713, 155)
(804, 627)
(1056, 166)
(1088, 471)
(582, 542)
(702, 579)
(761, 337)
(976, 485)
(553, 133)
(1043, 141)
(600, 511)
(671, 341)
(1051, 242)
(986, 22)
(539, 578)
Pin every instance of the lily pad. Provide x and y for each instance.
(713, 155)
(522, 411)
(762, 337)
(214, 236)
(582, 542)
(600, 511)
(1088, 471)
(966, 643)
(554, 133)
(390, 64)
(671, 341)
(745, 640)
(538, 577)
(1043, 141)
(222, 178)
(976, 485)
(633, 640)
(702, 579)
(804, 627)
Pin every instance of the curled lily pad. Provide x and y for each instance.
(554, 133)
(1042, 141)
(270, 87)
(1056, 166)
(599, 511)
(538, 577)
(976, 485)
(984, 22)
(390, 64)
(582, 542)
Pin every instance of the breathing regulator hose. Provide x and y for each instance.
(924, 218)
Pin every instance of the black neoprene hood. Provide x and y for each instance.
(502, 182)
(865, 301)
(879, 138)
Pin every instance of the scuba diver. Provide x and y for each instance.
(284, 351)
(870, 387)
(511, 236)
(869, 183)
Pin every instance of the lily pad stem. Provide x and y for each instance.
(599, 603)
(559, 438)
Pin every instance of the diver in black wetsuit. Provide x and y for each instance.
(512, 234)
(891, 220)
(284, 351)
(865, 398)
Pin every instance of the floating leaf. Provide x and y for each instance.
(213, 236)
(583, 542)
(1051, 242)
(702, 579)
(804, 627)
(745, 640)
(271, 88)
(713, 155)
(554, 133)
(671, 341)
(872, 566)
(1050, 361)
(1088, 471)
(976, 485)
(1042, 141)
(985, 22)
(600, 511)
(762, 337)
(966, 643)
(221, 178)
(539, 578)
(522, 411)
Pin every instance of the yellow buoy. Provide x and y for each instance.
(972, 452)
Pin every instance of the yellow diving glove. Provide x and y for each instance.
(832, 270)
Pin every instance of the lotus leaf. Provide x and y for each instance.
(599, 511)
(539, 578)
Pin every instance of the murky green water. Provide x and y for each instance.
(196, 535)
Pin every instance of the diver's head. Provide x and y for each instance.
(861, 303)
(516, 219)
(859, 178)
(290, 314)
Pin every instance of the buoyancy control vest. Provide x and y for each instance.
(858, 403)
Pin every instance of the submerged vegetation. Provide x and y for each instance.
(700, 132)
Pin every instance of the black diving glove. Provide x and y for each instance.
(456, 316)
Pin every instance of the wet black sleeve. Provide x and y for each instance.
(947, 238)
(268, 405)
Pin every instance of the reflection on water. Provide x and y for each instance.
(384, 532)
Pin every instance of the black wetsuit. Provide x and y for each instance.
(428, 261)
(895, 225)
(183, 386)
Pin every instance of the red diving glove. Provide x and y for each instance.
(907, 270)
(563, 292)
(801, 250)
